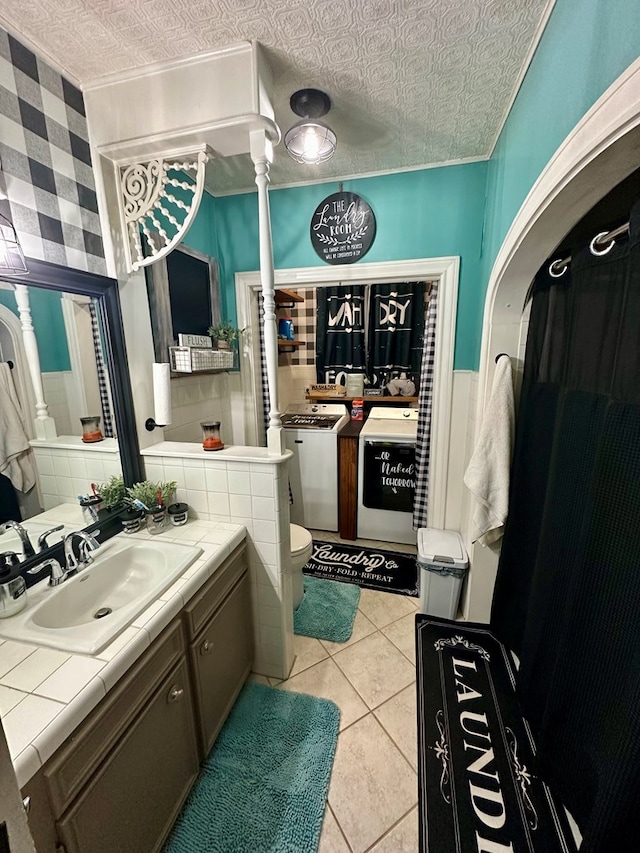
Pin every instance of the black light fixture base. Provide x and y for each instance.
(310, 103)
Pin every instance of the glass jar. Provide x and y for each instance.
(211, 435)
(91, 506)
(91, 429)
(13, 589)
(131, 520)
(156, 518)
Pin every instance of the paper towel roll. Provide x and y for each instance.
(162, 394)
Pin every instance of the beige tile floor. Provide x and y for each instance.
(373, 795)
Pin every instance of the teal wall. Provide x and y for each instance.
(48, 324)
(461, 210)
(586, 45)
(428, 213)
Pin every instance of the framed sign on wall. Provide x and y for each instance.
(342, 229)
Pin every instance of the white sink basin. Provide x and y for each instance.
(86, 612)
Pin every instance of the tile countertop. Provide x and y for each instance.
(45, 694)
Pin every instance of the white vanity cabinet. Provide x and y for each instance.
(118, 782)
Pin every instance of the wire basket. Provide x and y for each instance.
(193, 359)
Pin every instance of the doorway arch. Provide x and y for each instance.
(599, 153)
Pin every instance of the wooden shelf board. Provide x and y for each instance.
(284, 343)
(377, 400)
(287, 296)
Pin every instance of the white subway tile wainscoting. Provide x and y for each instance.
(66, 467)
(249, 487)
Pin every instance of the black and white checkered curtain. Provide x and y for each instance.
(263, 372)
(103, 383)
(266, 403)
(423, 442)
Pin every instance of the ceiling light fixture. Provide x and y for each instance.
(310, 141)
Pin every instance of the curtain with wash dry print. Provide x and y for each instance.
(567, 595)
(396, 326)
(340, 332)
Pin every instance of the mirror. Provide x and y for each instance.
(81, 291)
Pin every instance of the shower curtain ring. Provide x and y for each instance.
(596, 240)
(558, 268)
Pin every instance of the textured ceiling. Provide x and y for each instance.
(412, 82)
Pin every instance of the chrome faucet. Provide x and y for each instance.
(42, 539)
(27, 547)
(84, 559)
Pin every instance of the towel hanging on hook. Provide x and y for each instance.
(500, 354)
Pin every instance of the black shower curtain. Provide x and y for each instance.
(567, 595)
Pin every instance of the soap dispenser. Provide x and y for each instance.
(13, 589)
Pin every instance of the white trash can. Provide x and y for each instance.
(443, 564)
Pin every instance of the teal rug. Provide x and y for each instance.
(263, 786)
(327, 611)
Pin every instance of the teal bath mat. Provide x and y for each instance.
(327, 610)
(263, 786)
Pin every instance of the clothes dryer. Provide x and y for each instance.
(386, 474)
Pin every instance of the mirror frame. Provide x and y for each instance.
(105, 291)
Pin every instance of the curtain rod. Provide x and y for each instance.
(560, 266)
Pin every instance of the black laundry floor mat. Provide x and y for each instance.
(387, 571)
(477, 785)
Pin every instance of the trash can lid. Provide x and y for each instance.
(441, 546)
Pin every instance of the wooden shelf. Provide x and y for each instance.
(284, 344)
(287, 296)
(377, 401)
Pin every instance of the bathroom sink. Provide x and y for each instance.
(86, 612)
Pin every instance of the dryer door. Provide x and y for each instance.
(389, 475)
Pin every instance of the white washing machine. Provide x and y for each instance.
(386, 474)
(311, 432)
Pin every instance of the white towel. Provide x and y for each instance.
(15, 451)
(487, 475)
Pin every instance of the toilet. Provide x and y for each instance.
(301, 550)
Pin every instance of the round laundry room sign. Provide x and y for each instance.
(342, 228)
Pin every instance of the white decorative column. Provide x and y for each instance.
(44, 424)
(262, 156)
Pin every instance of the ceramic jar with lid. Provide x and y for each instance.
(13, 589)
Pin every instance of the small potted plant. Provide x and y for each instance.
(150, 494)
(112, 492)
(225, 335)
(152, 498)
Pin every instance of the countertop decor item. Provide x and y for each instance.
(91, 429)
(156, 518)
(147, 493)
(91, 506)
(112, 492)
(178, 514)
(131, 519)
(211, 435)
(13, 589)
